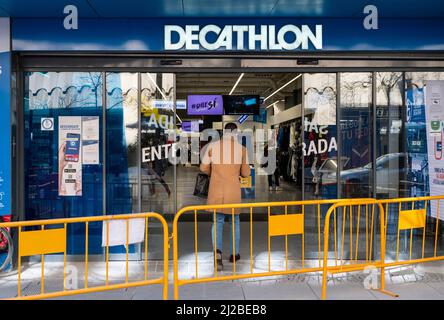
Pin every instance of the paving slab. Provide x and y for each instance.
(411, 291)
(343, 291)
(212, 291)
(279, 291)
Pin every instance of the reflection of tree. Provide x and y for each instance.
(388, 82)
(353, 90)
(91, 80)
(128, 98)
(95, 78)
(327, 92)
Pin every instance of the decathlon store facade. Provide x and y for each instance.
(348, 107)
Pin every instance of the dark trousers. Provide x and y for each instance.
(276, 179)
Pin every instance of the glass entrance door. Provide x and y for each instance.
(157, 133)
(140, 122)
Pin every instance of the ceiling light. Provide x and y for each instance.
(237, 82)
(282, 87)
(178, 118)
(273, 104)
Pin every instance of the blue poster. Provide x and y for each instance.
(5, 119)
(418, 175)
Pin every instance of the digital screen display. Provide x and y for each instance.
(205, 105)
(241, 104)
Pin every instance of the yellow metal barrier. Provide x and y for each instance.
(361, 229)
(407, 217)
(358, 222)
(50, 239)
(396, 218)
(284, 219)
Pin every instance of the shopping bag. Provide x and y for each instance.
(202, 184)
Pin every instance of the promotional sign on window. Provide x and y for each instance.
(70, 156)
(90, 140)
(434, 95)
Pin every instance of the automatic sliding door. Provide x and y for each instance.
(355, 112)
(157, 133)
(122, 171)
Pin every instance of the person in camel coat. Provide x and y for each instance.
(225, 160)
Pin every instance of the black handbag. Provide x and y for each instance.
(202, 185)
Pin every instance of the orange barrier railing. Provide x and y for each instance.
(346, 235)
(44, 237)
(417, 221)
(284, 219)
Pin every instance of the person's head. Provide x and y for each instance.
(230, 128)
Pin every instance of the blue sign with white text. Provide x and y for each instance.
(227, 34)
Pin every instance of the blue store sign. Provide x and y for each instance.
(227, 34)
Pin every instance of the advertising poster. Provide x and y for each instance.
(5, 118)
(418, 176)
(70, 157)
(434, 119)
(90, 140)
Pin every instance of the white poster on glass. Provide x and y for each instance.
(90, 140)
(114, 232)
(69, 156)
(434, 105)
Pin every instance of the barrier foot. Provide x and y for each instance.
(389, 293)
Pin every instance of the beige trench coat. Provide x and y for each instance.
(224, 168)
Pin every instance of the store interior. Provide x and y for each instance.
(279, 112)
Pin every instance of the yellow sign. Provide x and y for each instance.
(281, 225)
(42, 242)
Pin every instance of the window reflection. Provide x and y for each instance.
(157, 130)
(121, 143)
(391, 157)
(356, 142)
(419, 146)
(320, 144)
(53, 95)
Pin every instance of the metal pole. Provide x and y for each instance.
(374, 136)
(303, 134)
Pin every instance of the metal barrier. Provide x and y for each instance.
(356, 224)
(396, 218)
(408, 217)
(361, 229)
(281, 223)
(47, 238)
